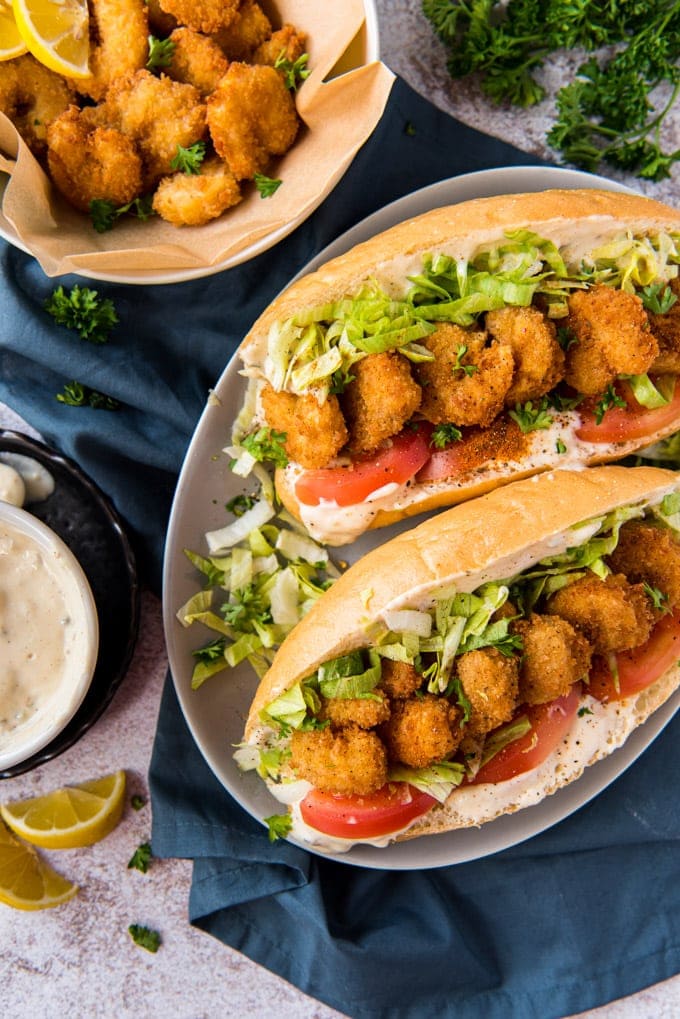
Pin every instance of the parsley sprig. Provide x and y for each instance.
(189, 160)
(161, 52)
(104, 213)
(83, 310)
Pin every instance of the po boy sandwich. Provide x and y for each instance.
(477, 663)
(463, 349)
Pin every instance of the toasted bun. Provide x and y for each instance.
(576, 220)
(490, 538)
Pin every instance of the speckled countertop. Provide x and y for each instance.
(79, 960)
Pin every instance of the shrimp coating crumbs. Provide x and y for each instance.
(613, 614)
(612, 338)
(287, 43)
(649, 555)
(251, 117)
(158, 114)
(379, 400)
(196, 60)
(88, 162)
(315, 432)
(32, 97)
(207, 16)
(538, 357)
(399, 679)
(467, 382)
(422, 730)
(666, 329)
(246, 32)
(366, 712)
(554, 657)
(193, 199)
(491, 684)
(119, 45)
(349, 761)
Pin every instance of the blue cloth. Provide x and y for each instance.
(582, 914)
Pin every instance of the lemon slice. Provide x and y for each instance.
(57, 33)
(11, 40)
(26, 881)
(77, 815)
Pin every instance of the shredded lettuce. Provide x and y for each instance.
(438, 780)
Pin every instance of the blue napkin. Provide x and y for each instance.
(582, 914)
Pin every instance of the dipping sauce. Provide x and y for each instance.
(12, 487)
(48, 634)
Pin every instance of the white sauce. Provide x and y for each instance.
(12, 488)
(38, 482)
(44, 643)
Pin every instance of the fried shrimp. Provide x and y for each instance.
(613, 614)
(196, 60)
(349, 761)
(251, 117)
(538, 357)
(491, 685)
(207, 16)
(399, 679)
(366, 712)
(554, 657)
(315, 432)
(32, 97)
(422, 730)
(649, 555)
(158, 114)
(467, 382)
(119, 31)
(194, 199)
(286, 43)
(87, 162)
(612, 336)
(379, 400)
(246, 32)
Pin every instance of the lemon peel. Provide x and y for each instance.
(11, 40)
(26, 881)
(57, 33)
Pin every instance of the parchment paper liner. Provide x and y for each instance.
(338, 116)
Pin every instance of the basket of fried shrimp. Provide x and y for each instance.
(201, 133)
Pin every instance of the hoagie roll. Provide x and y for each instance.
(464, 349)
(476, 663)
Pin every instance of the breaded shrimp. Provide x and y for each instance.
(613, 614)
(286, 43)
(207, 16)
(160, 23)
(158, 114)
(119, 31)
(467, 382)
(379, 400)
(193, 199)
(366, 712)
(399, 680)
(345, 762)
(649, 555)
(491, 684)
(32, 97)
(666, 329)
(246, 32)
(612, 338)
(554, 657)
(88, 162)
(539, 359)
(196, 60)
(422, 730)
(251, 117)
(315, 432)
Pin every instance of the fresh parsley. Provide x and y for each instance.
(294, 71)
(658, 298)
(141, 858)
(340, 379)
(189, 160)
(145, 937)
(75, 394)
(266, 185)
(266, 444)
(279, 826)
(104, 213)
(137, 802)
(240, 504)
(469, 369)
(530, 417)
(83, 310)
(444, 435)
(658, 599)
(610, 398)
(161, 52)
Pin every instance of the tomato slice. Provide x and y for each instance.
(640, 667)
(549, 725)
(360, 817)
(347, 486)
(630, 422)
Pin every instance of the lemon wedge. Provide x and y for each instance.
(68, 818)
(26, 881)
(11, 40)
(57, 33)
